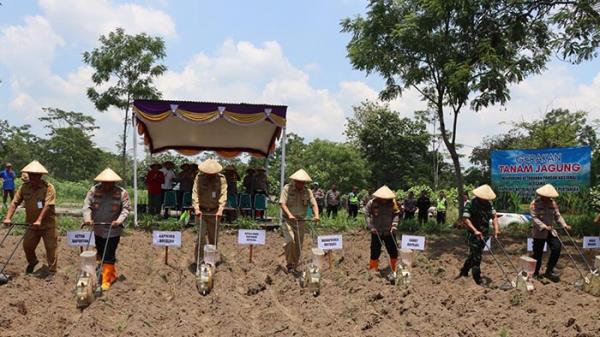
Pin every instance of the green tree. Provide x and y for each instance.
(128, 64)
(458, 52)
(395, 148)
(18, 144)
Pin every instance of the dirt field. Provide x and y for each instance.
(153, 299)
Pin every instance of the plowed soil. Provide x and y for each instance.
(260, 299)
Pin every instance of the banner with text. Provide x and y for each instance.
(523, 171)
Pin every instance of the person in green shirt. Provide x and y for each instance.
(353, 202)
(476, 216)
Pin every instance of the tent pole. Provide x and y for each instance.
(282, 179)
(135, 189)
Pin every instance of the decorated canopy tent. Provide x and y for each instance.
(192, 127)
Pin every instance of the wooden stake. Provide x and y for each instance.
(250, 260)
(167, 255)
(330, 259)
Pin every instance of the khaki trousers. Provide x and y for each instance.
(31, 241)
(293, 233)
(209, 226)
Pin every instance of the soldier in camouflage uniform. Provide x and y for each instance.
(476, 216)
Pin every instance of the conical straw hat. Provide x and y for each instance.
(384, 192)
(35, 167)
(108, 175)
(301, 175)
(210, 166)
(484, 192)
(547, 191)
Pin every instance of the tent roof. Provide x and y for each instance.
(192, 127)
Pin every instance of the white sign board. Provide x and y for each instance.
(251, 236)
(591, 242)
(530, 245)
(488, 245)
(330, 242)
(166, 238)
(80, 239)
(413, 242)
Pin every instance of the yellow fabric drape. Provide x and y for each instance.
(280, 121)
(152, 118)
(245, 118)
(198, 117)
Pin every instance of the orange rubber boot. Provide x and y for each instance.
(393, 264)
(373, 264)
(109, 275)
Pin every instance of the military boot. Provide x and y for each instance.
(551, 275)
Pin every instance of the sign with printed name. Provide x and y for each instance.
(591, 242)
(80, 239)
(330, 242)
(166, 238)
(530, 245)
(251, 236)
(413, 242)
(488, 245)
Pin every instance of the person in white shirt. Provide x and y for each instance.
(167, 185)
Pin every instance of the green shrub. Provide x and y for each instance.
(582, 224)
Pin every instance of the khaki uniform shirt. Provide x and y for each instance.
(209, 192)
(544, 214)
(381, 215)
(105, 207)
(297, 201)
(34, 200)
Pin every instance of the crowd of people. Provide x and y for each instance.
(106, 207)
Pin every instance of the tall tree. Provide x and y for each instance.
(396, 148)
(70, 152)
(128, 64)
(461, 52)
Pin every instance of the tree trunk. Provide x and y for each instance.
(124, 151)
(451, 146)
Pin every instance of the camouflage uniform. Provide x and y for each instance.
(479, 212)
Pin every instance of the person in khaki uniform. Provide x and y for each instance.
(382, 214)
(209, 196)
(39, 198)
(106, 203)
(545, 213)
(294, 201)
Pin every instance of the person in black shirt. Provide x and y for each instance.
(423, 204)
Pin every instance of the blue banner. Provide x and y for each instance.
(523, 171)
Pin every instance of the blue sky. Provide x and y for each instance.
(281, 52)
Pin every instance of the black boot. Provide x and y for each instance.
(551, 275)
(477, 277)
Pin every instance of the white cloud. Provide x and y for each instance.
(91, 18)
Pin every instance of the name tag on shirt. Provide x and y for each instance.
(40, 205)
(214, 194)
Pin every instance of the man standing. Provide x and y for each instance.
(319, 196)
(8, 183)
(476, 216)
(545, 213)
(441, 206)
(261, 186)
(232, 178)
(382, 214)
(248, 182)
(294, 201)
(353, 202)
(39, 198)
(410, 206)
(423, 204)
(186, 181)
(167, 184)
(209, 196)
(106, 206)
(332, 201)
(154, 180)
